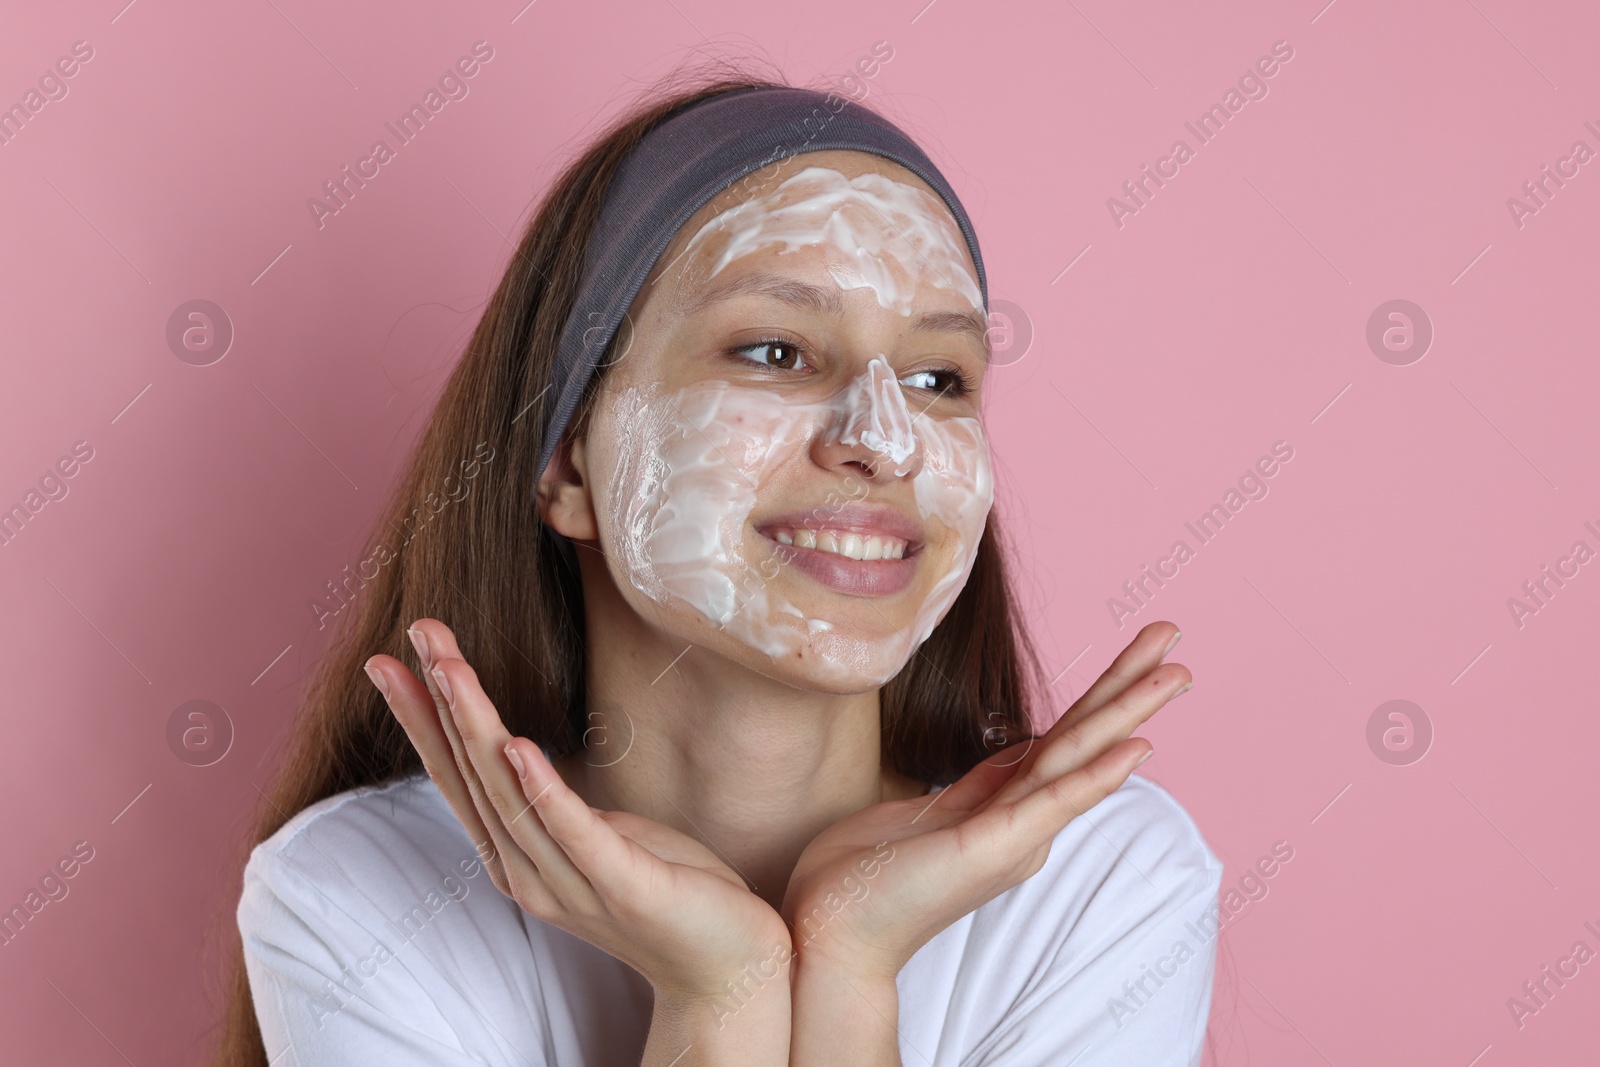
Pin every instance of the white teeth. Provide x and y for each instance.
(851, 545)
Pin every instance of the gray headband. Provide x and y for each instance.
(677, 168)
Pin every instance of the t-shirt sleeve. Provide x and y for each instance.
(368, 942)
(1108, 960)
(311, 965)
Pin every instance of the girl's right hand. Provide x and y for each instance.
(642, 892)
(936, 858)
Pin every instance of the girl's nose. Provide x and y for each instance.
(872, 428)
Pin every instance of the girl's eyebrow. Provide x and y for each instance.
(969, 322)
(791, 291)
(830, 301)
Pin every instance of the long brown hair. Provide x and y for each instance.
(477, 557)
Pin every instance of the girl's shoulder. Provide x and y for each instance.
(1143, 832)
(1033, 969)
(1136, 854)
(403, 809)
(371, 926)
(379, 862)
(375, 839)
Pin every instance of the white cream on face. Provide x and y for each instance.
(894, 237)
(689, 468)
(690, 464)
(874, 414)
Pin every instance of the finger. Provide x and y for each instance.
(1015, 829)
(510, 817)
(1067, 748)
(413, 706)
(588, 844)
(977, 785)
(1148, 648)
(509, 864)
(433, 641)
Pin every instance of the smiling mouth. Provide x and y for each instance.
(842, 543)
(867, 561)
(856, 548)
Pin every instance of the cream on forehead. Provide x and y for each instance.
(892, 237)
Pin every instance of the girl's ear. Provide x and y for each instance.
(564, 501)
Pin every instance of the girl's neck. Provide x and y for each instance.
(752, 768)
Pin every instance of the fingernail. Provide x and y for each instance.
(1186, 687)
(1145, 757)
(444, 686)
(516, 761)
(419, 641)
(1171, 643)
(378, 680)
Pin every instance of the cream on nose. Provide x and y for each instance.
(872, 413)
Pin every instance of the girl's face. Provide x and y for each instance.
(787, 464)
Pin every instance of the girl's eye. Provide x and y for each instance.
(784, 355)
(781, 354)
(940, 381)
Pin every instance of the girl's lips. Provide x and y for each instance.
(852, 517)
(884, 528)
(854, 577)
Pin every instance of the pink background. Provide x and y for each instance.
(1229, 313)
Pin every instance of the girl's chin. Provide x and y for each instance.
(833, 661)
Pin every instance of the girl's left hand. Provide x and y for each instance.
(876, 886)
(644, 893)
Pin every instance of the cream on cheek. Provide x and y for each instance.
(690, 464)
(688, 470)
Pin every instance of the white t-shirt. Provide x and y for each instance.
(373, 936)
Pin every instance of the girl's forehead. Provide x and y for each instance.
(775, 181)
(880, 195)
